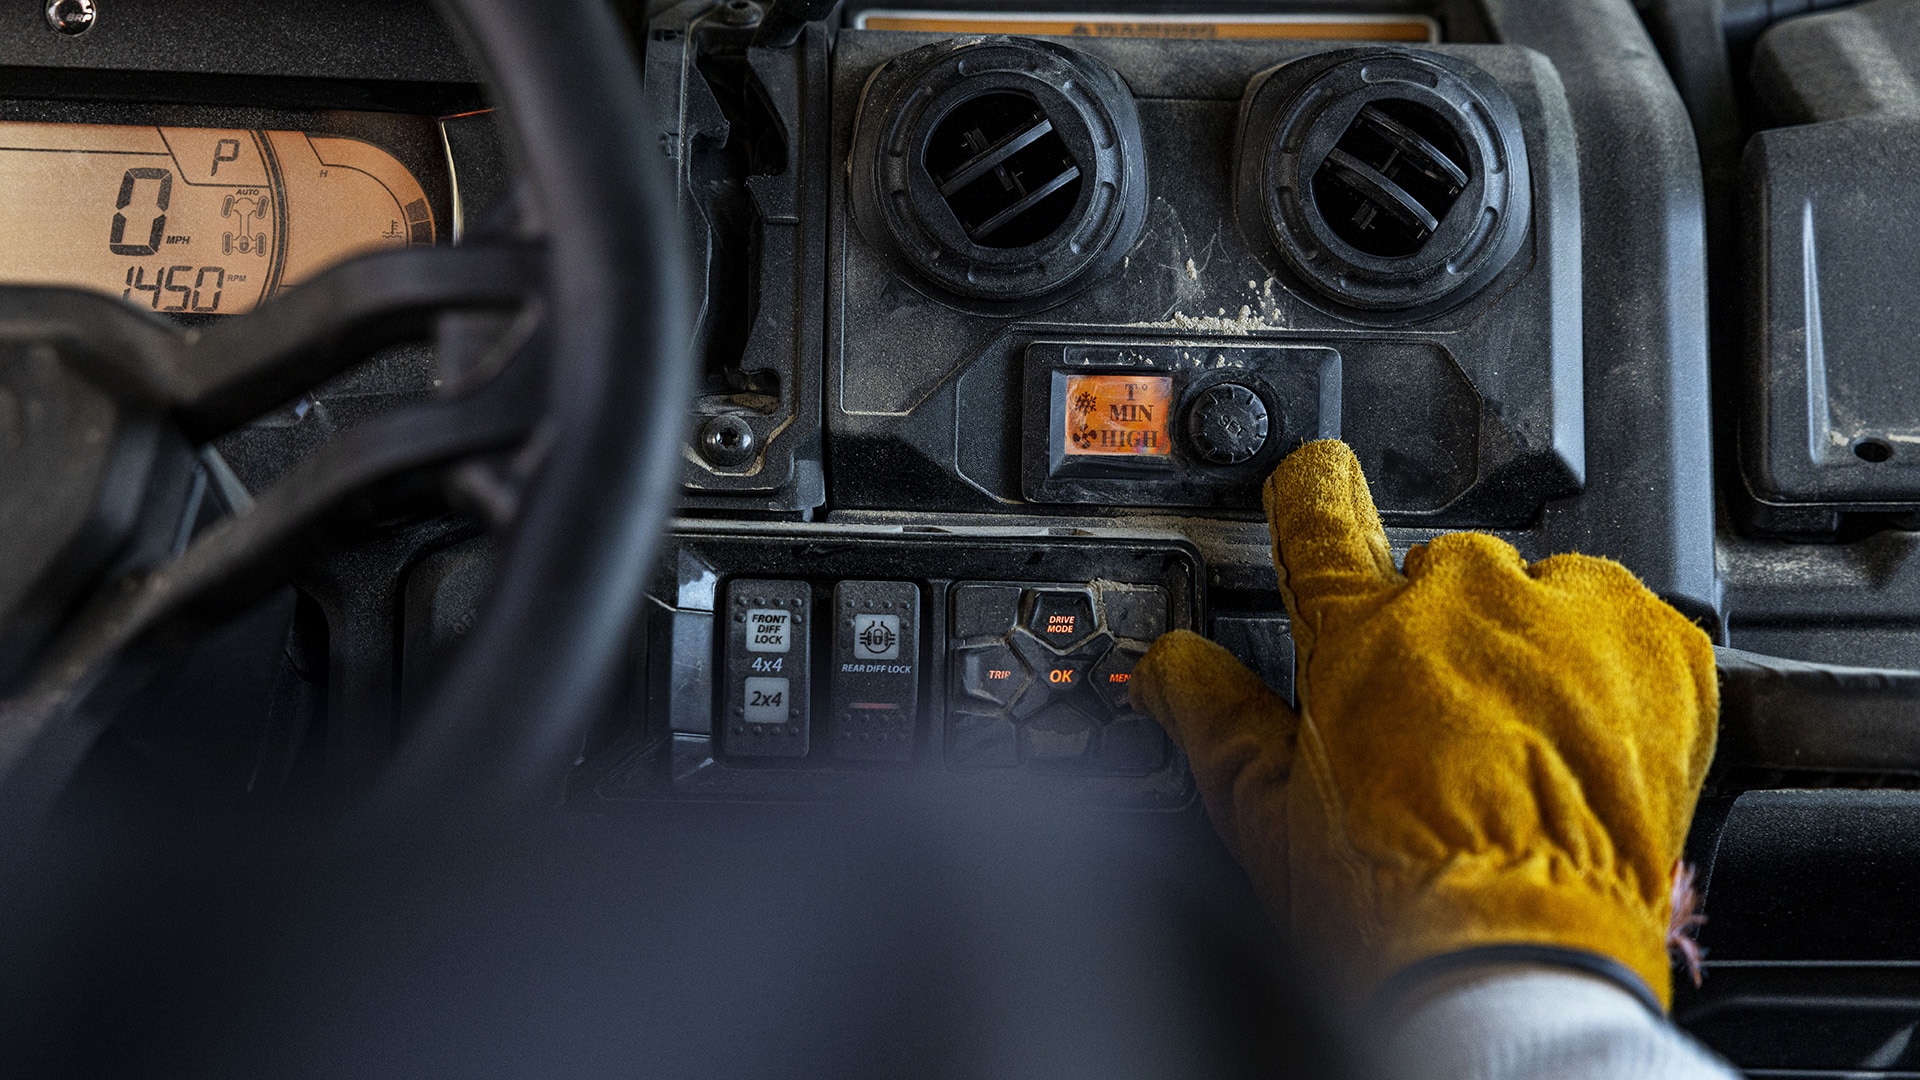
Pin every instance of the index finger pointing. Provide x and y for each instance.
(1328, 543)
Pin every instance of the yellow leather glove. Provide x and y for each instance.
(1486, 752)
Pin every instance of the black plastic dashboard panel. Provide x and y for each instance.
(1820, 558)
(383, 42)
(1813, 962)
(1470, 417)
(744, 123)
(1636, 339)
(919, 395)
(1832, 423)
(897, 419)
(1648, 499)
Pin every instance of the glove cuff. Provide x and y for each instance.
(1411, 977)
(1537, 902)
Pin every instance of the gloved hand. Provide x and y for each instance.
(1486, 752)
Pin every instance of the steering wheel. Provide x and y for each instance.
(575, 437)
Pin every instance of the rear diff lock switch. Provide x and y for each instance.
(876, 670)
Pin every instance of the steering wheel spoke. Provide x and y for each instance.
(359, 478)
(118, 397)
(219, 377)
(365, 476)
(100, 403)
(240, 368)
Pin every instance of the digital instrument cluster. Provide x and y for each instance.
(202, 221)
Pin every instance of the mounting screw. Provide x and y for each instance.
(740, 13)
(71, 17)
(727, 440)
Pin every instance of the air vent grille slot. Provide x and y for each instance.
(1003, 170)
(1390, 179)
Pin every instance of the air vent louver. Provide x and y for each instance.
(1003, 171)
(1389, 181)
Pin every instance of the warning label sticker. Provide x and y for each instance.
(1312, 26)
(1119, 414)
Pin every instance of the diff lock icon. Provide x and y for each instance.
(876, 637)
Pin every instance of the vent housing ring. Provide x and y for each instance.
(1006, 172)
(1384, 180)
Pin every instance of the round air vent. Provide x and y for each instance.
(1383, 180)
(1003, 171)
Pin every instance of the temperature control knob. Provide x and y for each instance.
(1227, 424)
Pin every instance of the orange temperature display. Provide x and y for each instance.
(195, 220)
(1119, 414)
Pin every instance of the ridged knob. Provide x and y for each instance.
(1228, 424)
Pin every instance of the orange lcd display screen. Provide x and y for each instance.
(1119, 415)
(195, 220)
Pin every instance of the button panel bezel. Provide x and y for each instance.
(1299, 385)
(675, 752)
(1057, 707)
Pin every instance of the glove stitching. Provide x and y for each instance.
(1311, 750)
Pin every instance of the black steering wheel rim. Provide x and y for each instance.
(508, 713)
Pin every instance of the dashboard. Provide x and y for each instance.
(1079, 277)
(1074, 295)
(1003, 317)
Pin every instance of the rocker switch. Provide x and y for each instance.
(769, 627)
(876, 670)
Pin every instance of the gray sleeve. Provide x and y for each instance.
(1523, 1023)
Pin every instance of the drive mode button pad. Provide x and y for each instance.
(1040, 672)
